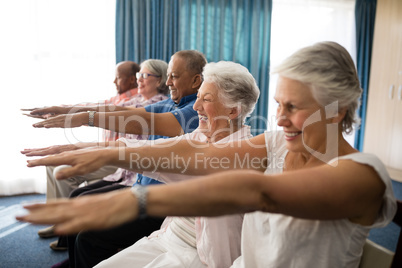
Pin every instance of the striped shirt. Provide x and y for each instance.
(184, 228)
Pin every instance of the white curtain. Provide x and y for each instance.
(62, 52)
(299, 23)
(52, 52)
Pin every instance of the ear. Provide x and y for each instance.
(234, 113)
(197, 81)
(160, 82)
(133, 81)
(340, 115)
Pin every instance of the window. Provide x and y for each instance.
(52, 52)
(299, 23)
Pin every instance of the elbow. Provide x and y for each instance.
(263, 198)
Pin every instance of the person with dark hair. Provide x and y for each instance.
(127, 91)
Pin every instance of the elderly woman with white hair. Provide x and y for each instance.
(227, 96)
(310, 198)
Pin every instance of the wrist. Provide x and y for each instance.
(141, 194)
(91, 118)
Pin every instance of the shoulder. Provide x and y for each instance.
(365, 159)
(161, 106)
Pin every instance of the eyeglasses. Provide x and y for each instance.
(145, 75)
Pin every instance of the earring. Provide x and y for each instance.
(229, 121)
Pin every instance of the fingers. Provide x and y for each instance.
(34, 153)
(35, 116)
(37, 152)
(50, 124)
(40, 111)
(44, 124)
(51, 213)
(44, 213)
(59, 121)
(47, 161)
(32, 109)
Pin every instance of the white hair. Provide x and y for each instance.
(237, 86)
(328, 69)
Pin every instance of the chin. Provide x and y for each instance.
(203, 128)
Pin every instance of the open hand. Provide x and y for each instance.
(81, 161)
(52, 110)
(64, 121)
(55, 149)
(91, 212)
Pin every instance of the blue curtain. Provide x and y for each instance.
(232, 30)
(146, 29)
(365, 18)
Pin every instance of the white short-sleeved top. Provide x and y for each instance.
(277, 240)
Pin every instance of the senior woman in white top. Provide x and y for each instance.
(313, 207)
(226, 97)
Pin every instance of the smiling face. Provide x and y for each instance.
(148, 87)
(296, 104)
(181, 82)
(213, 115)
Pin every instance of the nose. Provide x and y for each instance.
(282, 121)
(197, 106)
(281, 118)
(169, 81)
(115, 81)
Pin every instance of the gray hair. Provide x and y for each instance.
(328, 69)
(158, 67)
(195, 60)
(237, 86)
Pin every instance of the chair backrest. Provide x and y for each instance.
(376, 256)
(397, 261)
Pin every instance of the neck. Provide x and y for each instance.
(220, 134)
(327, 153)
(148, 96)
(135, 91)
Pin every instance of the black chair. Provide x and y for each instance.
(397, 261)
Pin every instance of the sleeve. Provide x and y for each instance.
(187, 118)
(158, 107)
(389, 206)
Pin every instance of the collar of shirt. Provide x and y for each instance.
(186, 100)
(128, 93)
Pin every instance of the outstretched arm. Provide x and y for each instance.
(175, 156)
(350, 190)
(135, 121)
(56, 149)
(47, 112)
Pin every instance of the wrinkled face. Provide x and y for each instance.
(180, 80)
(148, 87)
(212, 114)
(296, 106)
(124, 81)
